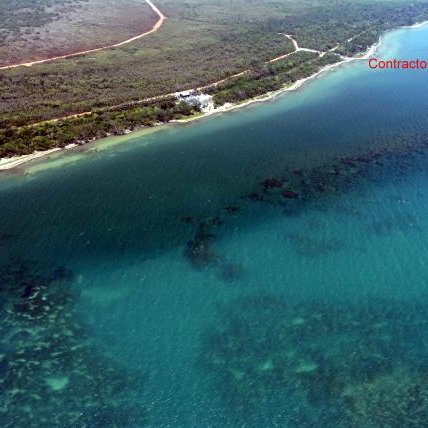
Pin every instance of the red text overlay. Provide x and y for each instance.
(397, 64)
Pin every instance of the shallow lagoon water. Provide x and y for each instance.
(185, 265)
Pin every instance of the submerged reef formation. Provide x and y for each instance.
(315, 186)
(338, 359)
(201, 254)
(50, 373)
(310, 246)
(396, 400)
(292, 189)
(199, 250)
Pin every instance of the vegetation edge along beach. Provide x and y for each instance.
(162, 109)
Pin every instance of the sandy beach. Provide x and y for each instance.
(13, 162)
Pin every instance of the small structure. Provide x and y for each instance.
(193, 97)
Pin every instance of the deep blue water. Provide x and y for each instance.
(267, 267)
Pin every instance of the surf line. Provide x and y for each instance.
(156, 27)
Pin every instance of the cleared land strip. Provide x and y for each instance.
(156, 27)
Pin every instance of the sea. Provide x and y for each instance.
(265, 267)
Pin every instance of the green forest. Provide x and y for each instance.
(79, 130)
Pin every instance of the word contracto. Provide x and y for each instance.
(398, 64)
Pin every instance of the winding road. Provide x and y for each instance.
(155, 28)
(200, 88)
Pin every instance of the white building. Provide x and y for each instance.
(192, 97)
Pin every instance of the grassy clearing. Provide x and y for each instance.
(38, 29)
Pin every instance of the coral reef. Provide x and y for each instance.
(290, 194)
(50, 373)
(317, 184)
(395, 400)
(263, 347)
(231, 209)
(199, 250)
(294, 190)
(200, 253)
(272, 183)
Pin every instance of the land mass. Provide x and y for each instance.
(232, 54)
(54, 29)
(74, 53)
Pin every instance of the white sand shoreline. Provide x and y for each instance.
(14, 162)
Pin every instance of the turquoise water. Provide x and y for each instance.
(263, 268)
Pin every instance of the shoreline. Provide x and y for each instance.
(7, 164)
(269, 95)
(15, 161)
